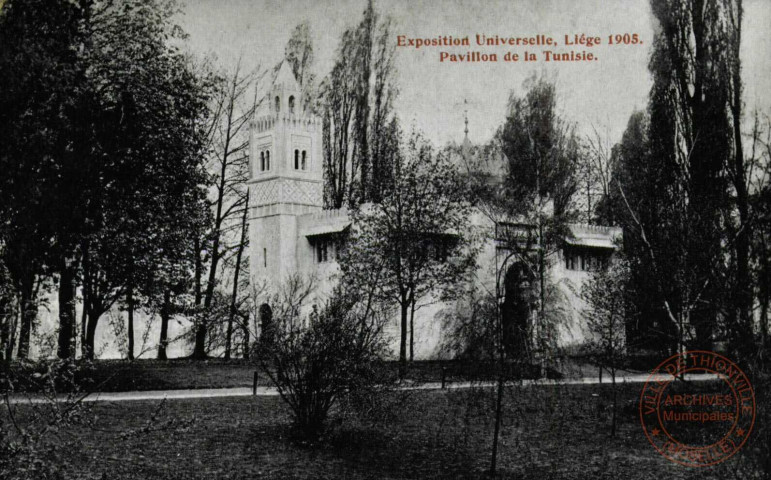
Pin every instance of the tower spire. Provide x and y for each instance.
(466, 145)
(465, 118)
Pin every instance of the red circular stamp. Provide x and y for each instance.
(697, 408)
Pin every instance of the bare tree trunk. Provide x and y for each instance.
(403, 341)
(743, 280)
(198, 292)
(6, 316)
(83, 323)
(5, 334)
(67, 315)
(130, 328)
(86, 300)
(220, 217)
(498, 416)
(229, 332)
(412, 330)
(246, 338)
(542, 295)
(199, 351)
(9, 330)
(93, 321)
(501, 381)
(615, 401)
(28, 316)
(198, 271)
(165, 316)
(236, 274)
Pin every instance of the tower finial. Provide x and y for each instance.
(465, 115)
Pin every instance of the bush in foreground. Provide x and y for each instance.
(315, 360)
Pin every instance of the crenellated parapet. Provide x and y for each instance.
(296, 121)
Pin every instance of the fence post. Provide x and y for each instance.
(254, 386)
(444, 376)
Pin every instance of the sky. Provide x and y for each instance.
(595, 95)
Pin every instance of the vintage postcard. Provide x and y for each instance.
(385, 239)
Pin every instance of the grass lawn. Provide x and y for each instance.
(123, 375)
(550, 432)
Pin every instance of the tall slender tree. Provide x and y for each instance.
(690, 129)
(543, 155)
(299, 54)
(233, 105)
(687, 211)
(360, 132)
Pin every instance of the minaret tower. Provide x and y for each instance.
(285, 178)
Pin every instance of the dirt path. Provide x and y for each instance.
(271, 391)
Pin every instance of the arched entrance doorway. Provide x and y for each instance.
(517, 310)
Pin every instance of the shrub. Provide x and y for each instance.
(32, 434)
(316, 359)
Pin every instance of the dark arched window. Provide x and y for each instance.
(262, 161)
(278, 104)
(267, 160)
(267, 329)
(303, 160)
(291, 105)
(296, 159)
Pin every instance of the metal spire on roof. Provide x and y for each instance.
(465, 115)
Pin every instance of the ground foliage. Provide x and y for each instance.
(555, 432)
(316, 357)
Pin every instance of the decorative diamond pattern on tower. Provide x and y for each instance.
(265, 193)
(287, 190)
(306, 193)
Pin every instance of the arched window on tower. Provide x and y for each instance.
(278, 104)
(267, 160)
(304, 163)
(262, 161)
(291, 105)
(296, 159)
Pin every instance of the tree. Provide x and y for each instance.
(650, 215)
(360, 132)
(691, 130)
(761, 241)
(416, 240)
(151, 131)
(233, 105)
(606, 297)
(236, 277)
(739, 166)
(299, 53)
(681, 182)
(316, 358)
(169, 288)
(40, 101)
(597, 164)
(115, 138)
(529, 208)
(542, 152)
(8, 312)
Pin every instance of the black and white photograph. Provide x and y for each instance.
(385, 239)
